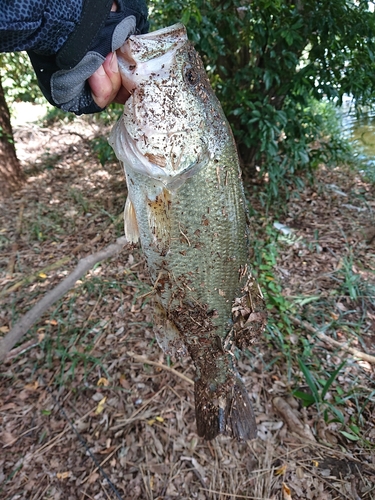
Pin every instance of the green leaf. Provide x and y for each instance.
(308, 399)
(338, 414)
(310, 380)
(349, 436)
(274, 57)
(331, 379)
(185, 18)
(355, 429)
(306, 300)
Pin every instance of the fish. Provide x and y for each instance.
(186, 206)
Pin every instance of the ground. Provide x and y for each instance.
(89, 405)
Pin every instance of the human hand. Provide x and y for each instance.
(106, 85)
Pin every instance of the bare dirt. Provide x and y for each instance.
(90, 408)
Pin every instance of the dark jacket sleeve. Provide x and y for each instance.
(41, 25)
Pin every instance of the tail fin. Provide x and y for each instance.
(225, 409)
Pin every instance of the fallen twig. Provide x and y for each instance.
(26, 322)
(34, 276)
(356, 352)
(291, 419)
(160, 365)
(22, 348)
(103, 462)
(58, 263)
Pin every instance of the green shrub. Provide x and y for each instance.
(269, 62)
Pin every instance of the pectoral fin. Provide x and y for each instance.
(130, 222)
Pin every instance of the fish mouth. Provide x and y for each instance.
(142, 55)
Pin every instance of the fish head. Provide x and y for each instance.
(164, 130)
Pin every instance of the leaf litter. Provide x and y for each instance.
(93, 409)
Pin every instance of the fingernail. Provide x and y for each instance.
(113, 63)
(100, 71)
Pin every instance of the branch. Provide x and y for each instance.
(293, 422)
(33, 277)
(146, 361)
(60, 262)
(27, 321)
(333, 342)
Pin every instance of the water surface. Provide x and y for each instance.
(361, 131)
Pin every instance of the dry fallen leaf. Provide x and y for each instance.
(125, 384)
(300, 473)
(281, 470)
(63, 475)
(100, 406)
(6, 437)
(51, 322)
(144, 457)
(102, 382)
(33, 386)
(286, 492)
(94, 476)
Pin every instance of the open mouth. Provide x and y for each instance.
(153, 53)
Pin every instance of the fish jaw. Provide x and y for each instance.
(144, 55)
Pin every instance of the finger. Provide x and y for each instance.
(105, 83)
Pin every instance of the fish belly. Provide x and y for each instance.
(196, 239)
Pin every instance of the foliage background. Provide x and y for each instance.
(270, 62)
(278, 67)
(18, 78)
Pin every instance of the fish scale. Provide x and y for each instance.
(187, 208)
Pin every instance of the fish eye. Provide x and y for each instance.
(190, 75)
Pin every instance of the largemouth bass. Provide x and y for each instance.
(186, 205)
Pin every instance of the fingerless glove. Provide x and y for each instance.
(63, 76)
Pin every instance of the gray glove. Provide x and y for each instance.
(63, 76)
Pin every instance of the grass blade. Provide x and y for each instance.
(310, 380)
(331, 379)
